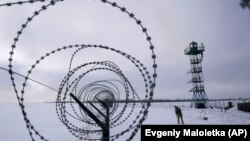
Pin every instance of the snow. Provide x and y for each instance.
(196, 116)
(45, 120)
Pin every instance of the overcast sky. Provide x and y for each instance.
(222, 25)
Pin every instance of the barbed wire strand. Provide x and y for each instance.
(21, 2)
(33, 80)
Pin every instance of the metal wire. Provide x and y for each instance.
(22, 2)
(102, 88)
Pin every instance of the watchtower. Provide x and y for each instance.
(195, 53)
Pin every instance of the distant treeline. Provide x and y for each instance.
(161, 100)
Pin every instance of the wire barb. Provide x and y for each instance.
(22, 2)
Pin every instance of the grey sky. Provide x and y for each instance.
(222, 25)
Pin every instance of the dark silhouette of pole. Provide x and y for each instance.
(105, 126)
(90, 114)
(105, 132)
(97, 109)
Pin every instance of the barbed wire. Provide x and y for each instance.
(91, 90)
(22, 2)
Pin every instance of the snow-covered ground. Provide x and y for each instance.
(195, 116)
(44, 118)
